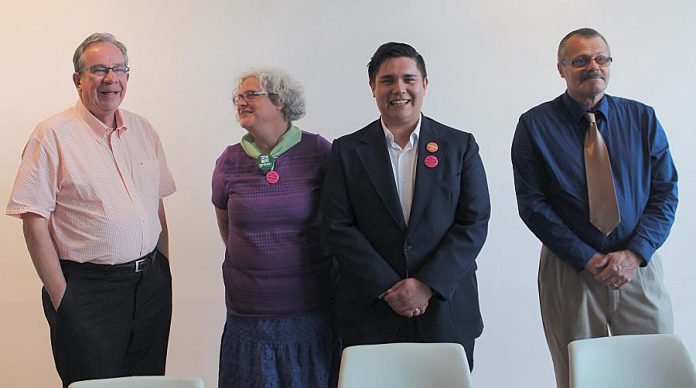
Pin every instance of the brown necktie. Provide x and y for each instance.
(604, 209)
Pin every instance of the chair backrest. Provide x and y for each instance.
(405, 365)
(141, 382)
(631, 361)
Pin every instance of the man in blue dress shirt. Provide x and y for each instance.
(594, 283)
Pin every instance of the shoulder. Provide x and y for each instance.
(442, 130)
(434, 130)
(626, 105)
(231, 152)
(55, 126)
(316, 142)
(136, 121)
(359, 136)
(544, 110)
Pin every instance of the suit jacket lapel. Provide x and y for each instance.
(426, 178)
(375, 159)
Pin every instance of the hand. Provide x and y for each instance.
(597, 263)
(57, 296)
(408, 297)
(620, 268)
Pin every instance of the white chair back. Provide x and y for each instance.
(141, 382)
(631, 361)
(405, 365)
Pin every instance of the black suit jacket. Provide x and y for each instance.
(375, 249)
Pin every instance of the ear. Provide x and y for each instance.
(425, 84)
(76, 79)
(561, 70)
(372, 87)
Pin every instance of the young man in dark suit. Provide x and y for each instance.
(406, 208)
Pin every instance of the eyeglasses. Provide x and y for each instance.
(584, 60)
(250, 95)
(102, 71)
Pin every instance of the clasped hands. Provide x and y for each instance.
(408, 297)
(614, 269)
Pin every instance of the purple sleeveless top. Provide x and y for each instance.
(276, 262)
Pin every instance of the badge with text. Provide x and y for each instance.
(265, 162)
(430, 161)
(272, 177)
(432, 147)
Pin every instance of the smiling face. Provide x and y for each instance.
(256, 112)
(399, 88)
(101, 94)
(585, 85)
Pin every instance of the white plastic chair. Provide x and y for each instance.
(631, 361)
(141, 382)
(405, 365)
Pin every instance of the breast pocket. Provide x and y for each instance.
(147, 178)
(449, 187)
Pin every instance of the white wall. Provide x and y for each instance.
(488, 63)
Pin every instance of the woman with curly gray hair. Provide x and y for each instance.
(277, 271)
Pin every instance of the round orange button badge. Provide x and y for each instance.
(432, 147)
(430, 161)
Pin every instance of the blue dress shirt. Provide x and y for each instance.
(549, 168)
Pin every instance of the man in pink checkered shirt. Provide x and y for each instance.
(89, 191)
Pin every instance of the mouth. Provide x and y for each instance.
(399, 102)
(243, 112)
(110, 92)
(589, 76)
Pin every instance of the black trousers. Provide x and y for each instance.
(111, 322)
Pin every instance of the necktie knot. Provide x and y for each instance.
(591, 117)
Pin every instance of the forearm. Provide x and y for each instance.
(658, 215)
(163, 241)
(44, 255)
(223, 224)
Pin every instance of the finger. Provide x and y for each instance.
(606, 274)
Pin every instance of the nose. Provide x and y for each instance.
(592, 65)
(399, 86)
(109, 76)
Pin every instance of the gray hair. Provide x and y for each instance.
(587, 33)
(283, 89)
(78, 57)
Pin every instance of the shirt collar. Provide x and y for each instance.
(414, 134)
(97, 126)
(578, 112)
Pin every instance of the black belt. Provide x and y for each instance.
(137, 265)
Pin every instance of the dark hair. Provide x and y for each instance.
(585, 33)
(393, 50)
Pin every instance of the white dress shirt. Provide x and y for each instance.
(403, 161)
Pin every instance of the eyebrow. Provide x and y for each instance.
(389, 76)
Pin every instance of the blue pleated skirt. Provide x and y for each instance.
(285, 352)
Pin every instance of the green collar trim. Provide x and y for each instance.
(290, 138)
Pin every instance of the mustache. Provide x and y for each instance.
(591, 74)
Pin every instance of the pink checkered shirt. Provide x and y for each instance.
(100, 197)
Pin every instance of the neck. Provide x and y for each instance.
(402, 132)
(587, 102)
(267, 138)
(109, 119)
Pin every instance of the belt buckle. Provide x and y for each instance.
(139, 265)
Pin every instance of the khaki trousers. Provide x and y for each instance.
(576, 306)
